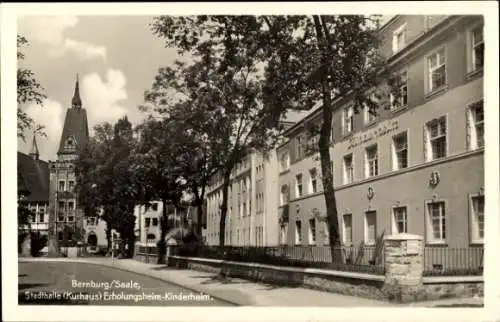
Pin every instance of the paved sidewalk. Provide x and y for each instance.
(247, 293)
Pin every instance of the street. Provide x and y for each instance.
(51, 283)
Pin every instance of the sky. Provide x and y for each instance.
(116, 57)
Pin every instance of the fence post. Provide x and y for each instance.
(404, 267)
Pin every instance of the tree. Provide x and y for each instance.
(315, 60)
(221, 91)
(105, 180)
(157, 170)
(29, 90)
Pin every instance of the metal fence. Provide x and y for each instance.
(439, 261)
(363, 259)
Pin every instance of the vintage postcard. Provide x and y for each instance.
(293, 160)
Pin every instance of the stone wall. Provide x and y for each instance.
(403, 281)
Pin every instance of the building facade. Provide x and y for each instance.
(417, 166)
(33, 175)
(66, 216)
(252, 202)
(253, 199)
(148, 221)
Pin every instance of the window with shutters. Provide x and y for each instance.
(399, 92)
(477, 218)
(475, 126)
(435, 139)
(298, 232)
(370, 227)
(476, 48)
(399, 39)
(298, 186)
(371, 161)
(400, 151)
(436, 222)
(348, 120)
(400, 220)
(312, 231)
(348, 169)
(436, 70)
(347, 229)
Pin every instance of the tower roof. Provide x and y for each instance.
(34, 148)
(75, 130)
(76, 101)
(33, 177)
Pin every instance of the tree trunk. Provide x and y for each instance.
(162, 247)
(223, 207)
(324, 143)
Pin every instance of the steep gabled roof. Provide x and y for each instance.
(33, 176)
(75, 126)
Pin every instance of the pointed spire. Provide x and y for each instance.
(34, 149)
(76, 102)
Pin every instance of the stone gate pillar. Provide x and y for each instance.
(404, 265)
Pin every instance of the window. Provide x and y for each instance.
(71, 185)
(298, 185)
(300, 147)
(61, 206)
(400, 151)
(283, 233)
(369, 117)
(399, 38)
(244, 209)
(312, 231)
(370, 227)
(154, 206)
(62, 185)
(298, 232)
(477, 211)
(147, 222)
(436, 66)
(347, 229)
(435, 134)
(155, 221)
(436, 222)
(348, 169)
(60, 235)
(314, 181)
(400, 220)
(477, 38)
(371, 155)
(71, 218)
(41, 216)
(399, 90)
(348, 120)
(284, 195)
(71, 205)
(475, 126)
(70, 236)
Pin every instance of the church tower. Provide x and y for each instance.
(66, 217)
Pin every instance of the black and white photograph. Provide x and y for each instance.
(314, 159)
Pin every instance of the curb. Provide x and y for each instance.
(223, 298)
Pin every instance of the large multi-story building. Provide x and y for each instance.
(252, 199)
(417, 166)
(66, 216)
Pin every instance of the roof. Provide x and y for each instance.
(33, 175)
(75, 125)
(294, 116)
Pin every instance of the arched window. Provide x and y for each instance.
(92, 239)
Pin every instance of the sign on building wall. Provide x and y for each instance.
(382, 130)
